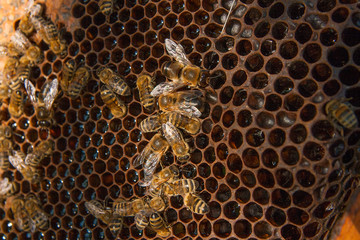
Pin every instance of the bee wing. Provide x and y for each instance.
(49, 91)
(94, 209)
(20, 41)
(30, 89)
(149, 168)
(17, 161)
(141, 157)
(115, 221)
(171, 133)
(165, 87)
(28, 157)
(190, 102)
(176, 51)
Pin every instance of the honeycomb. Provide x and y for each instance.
(269, 162)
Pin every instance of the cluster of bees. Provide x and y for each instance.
(179, 111)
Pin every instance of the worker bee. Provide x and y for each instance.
(175, 139)
(44, 102)
(125, 208)
(67, 74)
(5, 146)
(340, 112)
(21, 216)
(180, 187)
(150, 157)
(30, 173)
(22, 74)
(158, 224)
(20, 42)
(114, 81)
(153, 123)
(25, 25)
(113, 102)
(10, 67)
(16, 106)
(34, 55)
(189, 102)
(45, 148)
(141, 220)
(145, 85)
(37, 214)
(196, 204)
(157, 203)
(106, 6)
(8, 188)
(80, 79)
(180, 71)
(166, 175)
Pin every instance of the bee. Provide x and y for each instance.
(150, 157)
(50, 34)
(106, 6)
(37, 214)
(176, 141)
(19, 41)
(189, 102)
(30, 173)
(80, 79)
(145, 85)
(67, 74)
(21, 216)
(25, 25)
(180, 187)
(196, 204)
(180, 71)
(16, 106)
(141, 220)
(5, 146)
(153, 123)
(168, 174)
(129, 208)
(22, 74)
(45, 148)
(34, 55)
(157, 204)
(43, 103)
(340, 113)
(9, 71)
(114, 81)
(113, 102)
(158, 224)
(8, 188)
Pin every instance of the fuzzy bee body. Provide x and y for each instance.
(141, 220)
(113, 102)
(21, 216)
(145, 85)
(80, 79)
(114, 81)
(37, 214)
(106, 7)
(158, 224)
(67, 74)
(196, 204)
(16, 106)
(340, 113)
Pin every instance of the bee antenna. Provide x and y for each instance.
(227, 17)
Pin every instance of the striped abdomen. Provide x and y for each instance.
(117, 107)
(196, 204)
(16, 106)
(123, 208)
(141, 221)
(145, 86)
(4, 160)
(345, 116)
(115, 225)
(150, 124)
(183, 186)
(190, 125)
(80, 79)
(106, 7)
(67, 74)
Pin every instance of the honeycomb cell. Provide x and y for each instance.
(253, 211)
(254, 62)
(205, 228)
(255, 137)
(273, 102)
(251, 158)
(261, 196)
(222, 228)
(349, 75)
(275, 216)
(280, 198)
(248, 178)
(261, 30)
(276, 10)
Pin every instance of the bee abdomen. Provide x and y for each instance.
(346, 117)
(106, 7)
(4, 160)
(74, 89)
(141, 221)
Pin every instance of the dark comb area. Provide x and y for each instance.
(270, 162)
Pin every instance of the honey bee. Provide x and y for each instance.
(180, 187)
(44, 102)
(168, 174)
(141, 220)
(145, 85)
(158, 224)
(34, 55)
(340, 113)
(180, 71)
(157, 204)
(153, 123)
(22, 74)
(30, 173)
(189, 102)
(21, 216)
(129, 208)
(150, 157)
(25, 25)
(80, 79)
(196, 204)
(16, 106)
(113, 102)
(114, 81)
(45, 148)
(175, 139)
(9, 71)
(20, 42)
(67, 74)
(8, 188)
(106, 7)
(5, 146)
(36, 213)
